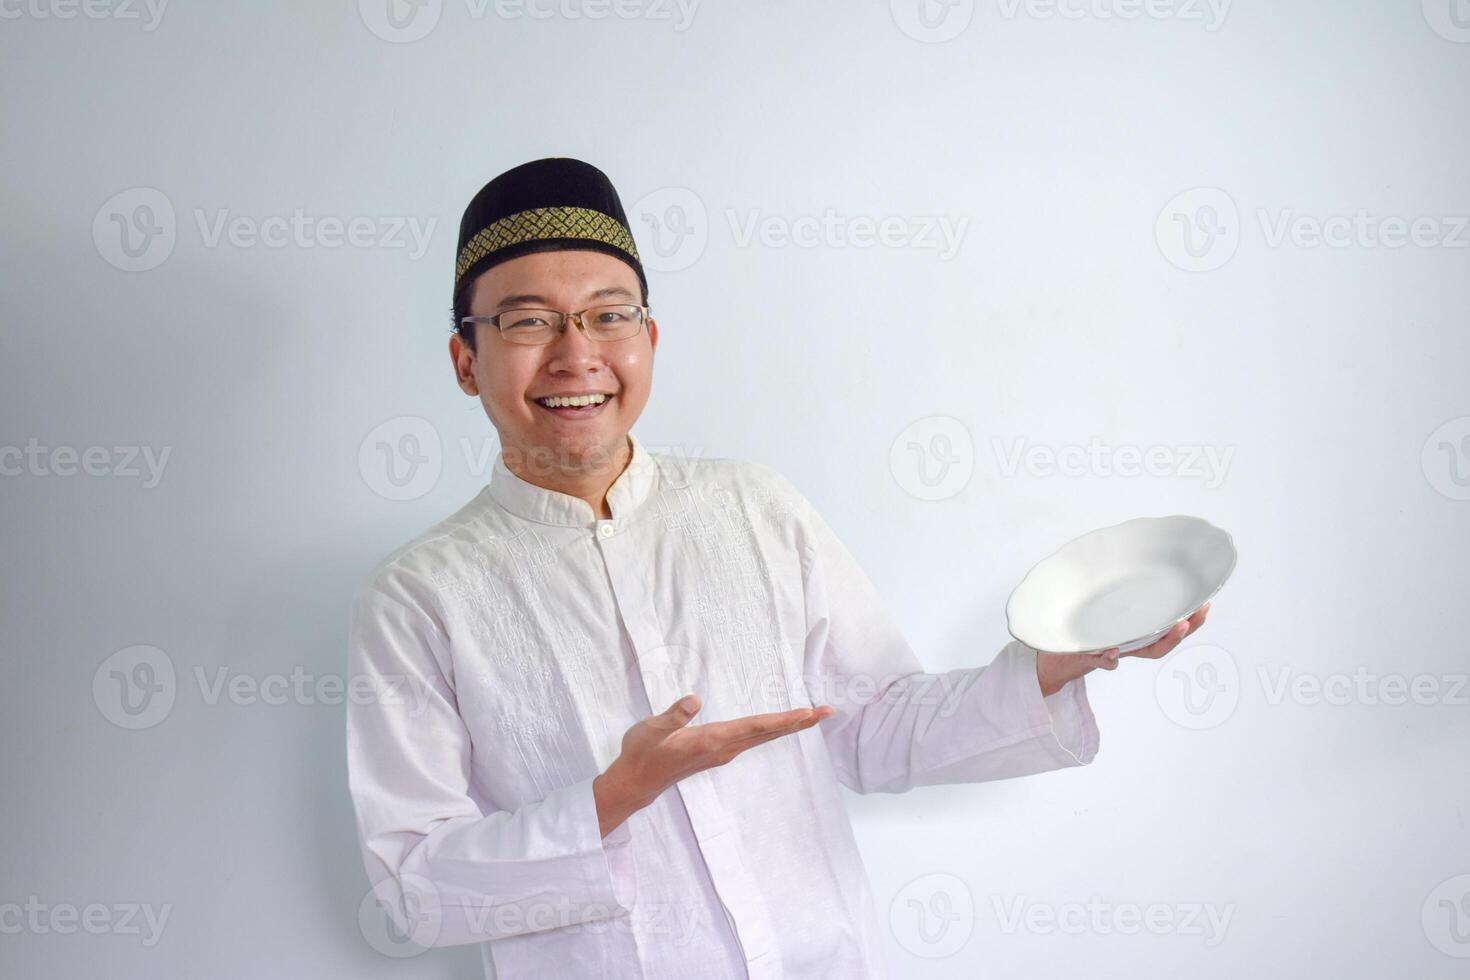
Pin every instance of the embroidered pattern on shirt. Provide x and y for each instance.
(732, 598)
(497, 602)
(773, 506)
(533, 557)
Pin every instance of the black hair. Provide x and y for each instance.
(462, 310)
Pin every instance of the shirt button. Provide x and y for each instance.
(606, 529)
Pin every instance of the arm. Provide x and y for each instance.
(450, 873)
(896, 726)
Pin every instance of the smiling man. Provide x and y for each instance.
(623, 689)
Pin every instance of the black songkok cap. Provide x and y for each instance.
(556, 203)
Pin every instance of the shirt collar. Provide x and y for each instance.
(534, 503)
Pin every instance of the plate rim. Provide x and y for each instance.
(1010, 599)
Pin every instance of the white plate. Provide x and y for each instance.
(1122, 586)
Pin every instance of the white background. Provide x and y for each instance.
(1329, 378)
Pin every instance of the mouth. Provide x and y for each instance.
(584, 407)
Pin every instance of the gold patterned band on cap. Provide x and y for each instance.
(540, 223)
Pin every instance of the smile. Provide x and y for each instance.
(578, 407)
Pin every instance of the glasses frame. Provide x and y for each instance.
(494, 320)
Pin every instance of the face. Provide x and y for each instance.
(509, 377)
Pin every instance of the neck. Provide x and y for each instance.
(588, 476)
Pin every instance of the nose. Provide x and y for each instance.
(574, 347)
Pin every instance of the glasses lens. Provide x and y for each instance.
(613, 322)
(529, 326)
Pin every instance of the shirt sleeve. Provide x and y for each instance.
(444, 871)
(895, 726)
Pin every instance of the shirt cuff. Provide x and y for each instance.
(1073, 739)
(611, 874)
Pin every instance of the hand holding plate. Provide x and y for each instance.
(1054, 670)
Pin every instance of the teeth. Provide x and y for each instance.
(577, 402)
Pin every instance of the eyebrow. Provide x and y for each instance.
(532, 299)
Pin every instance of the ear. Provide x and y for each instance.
(652, 334)
(464, 364)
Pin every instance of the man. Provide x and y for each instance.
(619, 690)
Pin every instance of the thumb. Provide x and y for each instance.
(679, 713)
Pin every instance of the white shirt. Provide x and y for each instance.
(511, 646)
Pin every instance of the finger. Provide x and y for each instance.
(1167, 642)
(810, 717)
(751, 741)
(677, 715)
(750, 725)
(1196, 619)
(813, 716)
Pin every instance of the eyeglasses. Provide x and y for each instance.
(533, 326)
